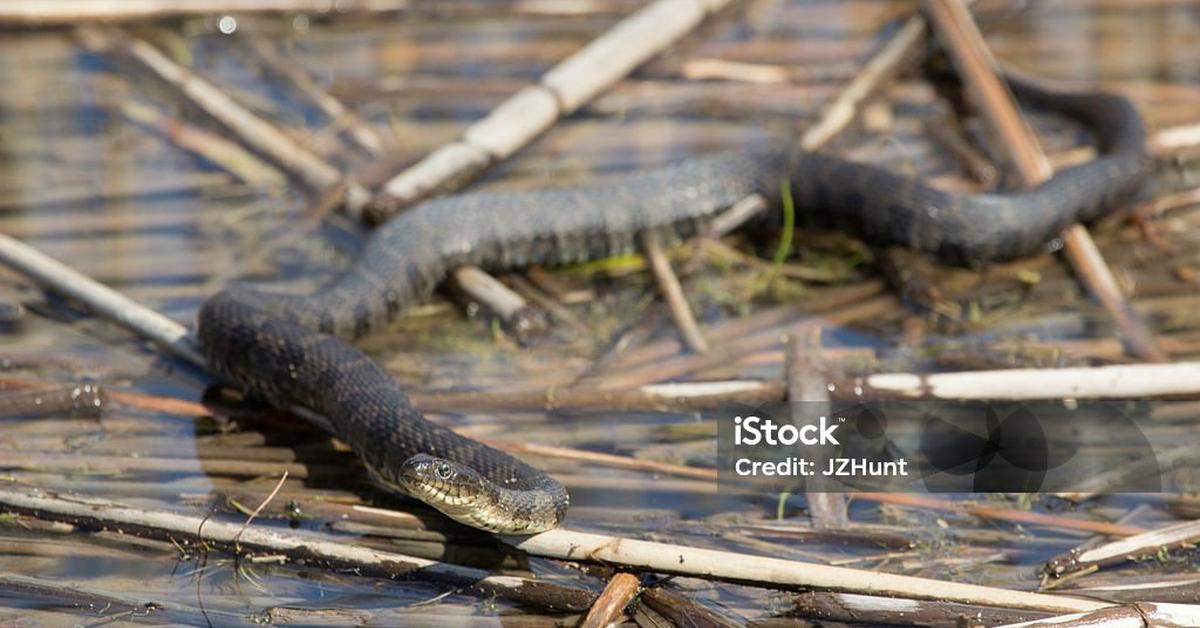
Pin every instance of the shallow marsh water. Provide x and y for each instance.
(118, 201)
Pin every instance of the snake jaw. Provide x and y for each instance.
(456, 490)
(465, 495)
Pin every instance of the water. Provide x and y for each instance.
(81, 182)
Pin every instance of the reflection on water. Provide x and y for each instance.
(121, 202)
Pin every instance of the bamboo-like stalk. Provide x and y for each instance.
(1086, 382)
(564, 88)
(779, 573)
(228, 155)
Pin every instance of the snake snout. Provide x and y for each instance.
(450, 487)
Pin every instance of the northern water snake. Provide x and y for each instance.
(277, 345)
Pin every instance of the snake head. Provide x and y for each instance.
(464, 494)
(456, 490)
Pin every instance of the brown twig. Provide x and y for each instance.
(668, 283)
(609, 607)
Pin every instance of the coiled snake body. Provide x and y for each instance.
(286, 348)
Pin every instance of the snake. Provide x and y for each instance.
(296, 350)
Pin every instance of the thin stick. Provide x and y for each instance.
(886, 63)
(668, 283)
(229, 155)
(806, 382)
(656, 397)
(263, 504)
(969, 52)
(608, 460)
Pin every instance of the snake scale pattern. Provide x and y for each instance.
(291, 349)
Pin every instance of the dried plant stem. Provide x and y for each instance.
(778, 573)
(200, 532)
(609, 607)
(1127, 616)
(1100, 382)
(669, 284)
(563, 89)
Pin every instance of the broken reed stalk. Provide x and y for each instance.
(562, 90)
(1134, 615)
(1131, 548)
(201, 533)
(1085, 382)
(780, 573)
(959, 33)
(610, 606)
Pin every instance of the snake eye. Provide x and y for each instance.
(443, 470)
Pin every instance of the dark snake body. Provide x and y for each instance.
(273, 344)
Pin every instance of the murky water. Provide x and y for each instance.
(120, 201)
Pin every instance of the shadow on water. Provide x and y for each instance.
(82, 182)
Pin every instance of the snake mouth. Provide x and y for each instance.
(456, 490)
(463, 494)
